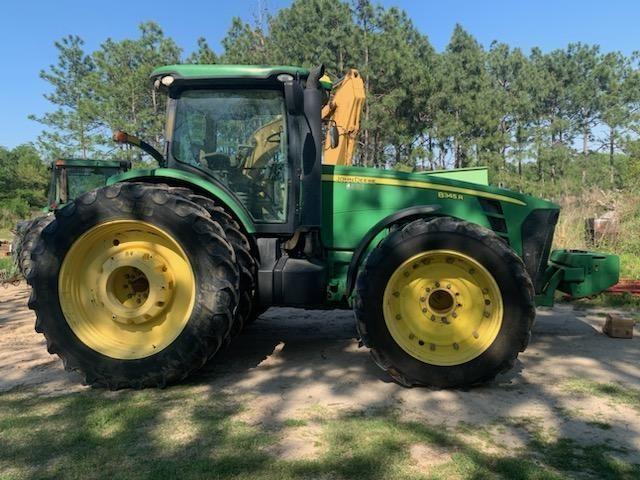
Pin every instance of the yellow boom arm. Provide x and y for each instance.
(344, 110)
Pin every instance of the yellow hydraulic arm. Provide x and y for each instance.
(344, 110)
(264, 142)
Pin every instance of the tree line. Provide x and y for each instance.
(556, 121)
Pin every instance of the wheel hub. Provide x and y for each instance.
(134, 285)
(443, 307)
(440, 304)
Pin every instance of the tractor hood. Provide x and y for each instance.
(448, 183)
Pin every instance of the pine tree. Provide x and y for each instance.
(122, 88)
(204, 54)
(72, 126)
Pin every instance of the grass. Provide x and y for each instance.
(6, 234)
(187, 433)
(6, 263)
(629, 265)
(624, 301)
(570, 231)
(614, 392)
(8, 270)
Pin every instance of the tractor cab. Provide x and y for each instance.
(253, 131)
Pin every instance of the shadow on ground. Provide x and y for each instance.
(296, 369)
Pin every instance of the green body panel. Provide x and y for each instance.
(356, 198)
(478, 175)
(188, 178)
(578, 274)
(200, 72)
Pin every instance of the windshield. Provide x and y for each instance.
(83, 179)
(237, 136)
(77, 180)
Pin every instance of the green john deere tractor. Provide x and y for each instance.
(70, 178)
(139, 283)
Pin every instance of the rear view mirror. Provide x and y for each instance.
(334, 135)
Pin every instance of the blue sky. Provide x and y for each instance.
(28, 29)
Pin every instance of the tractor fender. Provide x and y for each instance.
(401, 216)
(181, 178)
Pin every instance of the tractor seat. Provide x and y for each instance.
(218, 161)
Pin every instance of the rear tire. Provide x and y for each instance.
(190, 268)
(247, 264)
(417, 345)
(26, 238)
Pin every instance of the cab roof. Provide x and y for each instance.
(222, 71)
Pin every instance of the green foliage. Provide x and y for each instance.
(123, 93)
(108, 89)
(533, 118)
(204, 55)
(72, 126)
(23, 183)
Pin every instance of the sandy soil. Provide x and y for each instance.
(293, 362)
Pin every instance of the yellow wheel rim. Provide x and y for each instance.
(126, 289)
(442, 307)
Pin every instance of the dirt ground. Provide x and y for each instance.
(295, 361)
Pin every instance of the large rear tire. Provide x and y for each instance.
(133, 286)
(27, 236)
(445, 303)
(247, 264)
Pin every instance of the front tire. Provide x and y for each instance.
(133, 286)
(445, 303)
